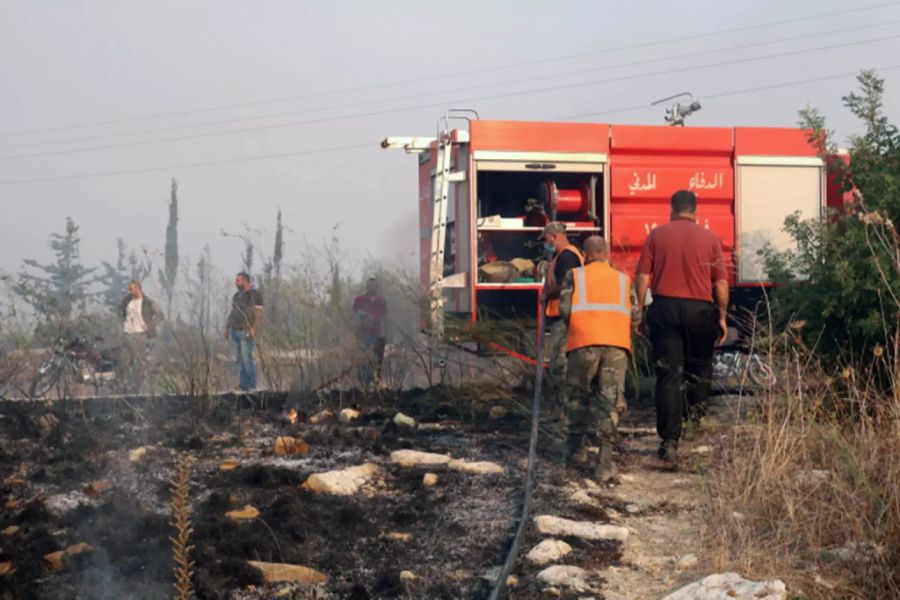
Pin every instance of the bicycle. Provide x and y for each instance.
(77, 360)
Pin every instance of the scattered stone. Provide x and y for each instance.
(414, 458)
(550, 525)
(702, 450)
(582, 497)
(549, 551)
(626, 478)
(247, 451)
(498, 412)
(11, 530)
(13, 481)
(248, 513)
(11, 505)
(78, 549)
(856, 551)
(6, 568)
(60, 504)
(321, 417)
(632, 509)
(286, 445)
(401, 420)
(823, 582)
(429, 480)
(137, 454)
(407, 576)
(739, 517)
(229, 464)
(220, 438)
(512, 581)
(95, 488)
(347, 415)
(54, 560)
(398, 536)
(345, 482)
(432, 427)
(812, 477)
(475, 468)
(730, 586)
(688, 561)
(282, 572)
(565, 576)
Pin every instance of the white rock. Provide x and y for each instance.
(549, 551)
(341, 483)
(688, 561)
(550, 525)
(812, 477)
(401, 420)
(475, 468)
(582, 497)
(625, 477)
(347, 415)
(702, 450)
(321, 417)
(414, 458)
(137, 454)
(429, 480)
(730, 586)
(737, 516)
(407, 576)
(565, 576)
(632, 509)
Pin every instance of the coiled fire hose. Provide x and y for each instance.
(500, 584)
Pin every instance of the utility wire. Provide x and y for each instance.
(709, 51)
(372, 144)
(445, 102)
(805, 18)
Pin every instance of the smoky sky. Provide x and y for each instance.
(129, 87)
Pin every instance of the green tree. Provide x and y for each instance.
(168, 275)
(843, 278)
(58, 292)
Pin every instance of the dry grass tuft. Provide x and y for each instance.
(808, 489)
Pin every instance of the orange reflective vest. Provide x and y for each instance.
(553, 303)
(601, 308)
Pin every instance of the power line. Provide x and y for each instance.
(481, 70)
(438, 93)
(445, 102)
(372, 144)
(192, 165)
(761, 88)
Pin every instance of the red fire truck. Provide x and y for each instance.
(486, 188)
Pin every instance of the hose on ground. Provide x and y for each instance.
(500, 584)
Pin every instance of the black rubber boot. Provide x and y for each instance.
(668, 452)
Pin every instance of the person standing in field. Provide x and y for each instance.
(242, 327)
(139, 316)
(369, 312)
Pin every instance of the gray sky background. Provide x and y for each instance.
(74, 62)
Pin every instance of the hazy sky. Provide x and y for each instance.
(67, 66)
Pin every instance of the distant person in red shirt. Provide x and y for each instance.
(683, 266)
(369, 311)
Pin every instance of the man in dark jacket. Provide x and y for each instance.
(139, 315)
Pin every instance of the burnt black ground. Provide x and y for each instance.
(460, 528)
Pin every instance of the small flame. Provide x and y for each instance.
(292, 416)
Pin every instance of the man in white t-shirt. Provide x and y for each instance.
(139, 316)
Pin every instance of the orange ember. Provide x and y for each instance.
(292, 416)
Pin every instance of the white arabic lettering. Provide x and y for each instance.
(637, 186)
(699, 182)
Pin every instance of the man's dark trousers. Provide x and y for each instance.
(683, 333)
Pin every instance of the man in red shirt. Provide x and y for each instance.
(369, 311)
(682, 264)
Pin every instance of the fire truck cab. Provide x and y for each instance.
(485, 192)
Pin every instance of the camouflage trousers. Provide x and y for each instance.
(557, 353)
(594, 394)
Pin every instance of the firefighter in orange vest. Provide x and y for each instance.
(565, 258)
(597, 303)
